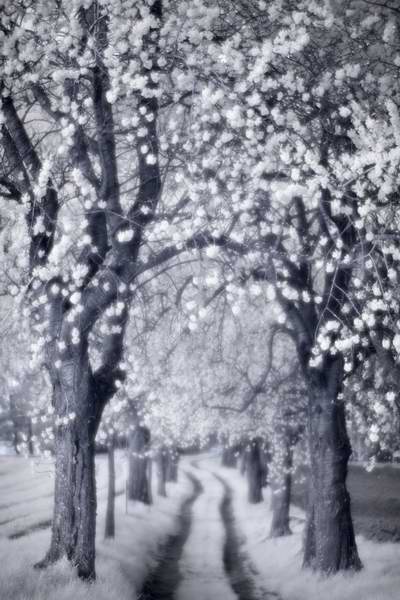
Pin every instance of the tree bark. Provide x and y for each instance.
(330, 544)
(254, 472)
(281, 490)
(162, 468)
(78, 410)
(109, 531)
(139, 482)
(74, 516)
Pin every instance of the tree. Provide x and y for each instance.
(132, 135)
(79, 72)
(316, 208)
(112, 429)
(288, 425)
(139, 482)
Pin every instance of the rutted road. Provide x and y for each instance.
(165, 578)
(204, 559)
(237, 564)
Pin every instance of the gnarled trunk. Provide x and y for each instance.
(281, 489)
(139, 482)
(254, 472)
(330, 543)
(74, 516)
(109, 531)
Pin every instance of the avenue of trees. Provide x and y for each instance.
(199, 241)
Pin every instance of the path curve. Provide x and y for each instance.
(164, 579)
(238, 567)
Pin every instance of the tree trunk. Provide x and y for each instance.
(330, 544)
(15, 427)
(150, 479)
(30, 435)
(243, 460)
(162, 467)
(109, 531)
(78, 411)
(16, 438)
(254, 472)
(74, 516)
(265, 460)
(229, 457)
(281, 490)
(139, 482)
(172, 468)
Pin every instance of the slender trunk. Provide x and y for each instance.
(149, 473)
(243, 460)
(254, 472)
(281, 490)
(162, 466)
(30, 434)
(229, 457)
(309, 548)
(330, 544)
(16, 438)
(139, 482)
(110, 514)
(172, 467)
(15, 428)
(265, 459)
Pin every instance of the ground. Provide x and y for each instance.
(204, 541)
(25, 511)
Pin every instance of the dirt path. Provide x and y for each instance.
(238, 567)
(204, 559)
(165, 578)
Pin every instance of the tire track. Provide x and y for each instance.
(31, 529)
(44, 524)
(165, 577)
(238, 567)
